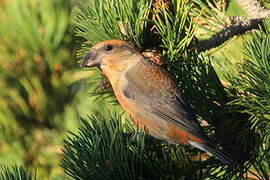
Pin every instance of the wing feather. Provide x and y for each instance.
(151, 87)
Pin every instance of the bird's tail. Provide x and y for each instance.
(223, 156)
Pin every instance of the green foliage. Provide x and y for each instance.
(15, 173)
(38, 80)
(175, 28)
(34, 36)
(234, 9)
(102, 20)
(107, 147)
(210, 17)
(253, 80)
(250, 93)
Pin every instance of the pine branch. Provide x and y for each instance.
(253, 80)
(15, 173)
(102, 150)
(240, 25)
(250, 92)
(107, 147)
(237, 25)
(175, 28)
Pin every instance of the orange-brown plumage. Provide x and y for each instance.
(149, 95)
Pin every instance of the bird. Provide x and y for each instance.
(150, 96)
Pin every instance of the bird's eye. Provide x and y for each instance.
(109, 47)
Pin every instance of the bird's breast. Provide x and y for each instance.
(123, 96)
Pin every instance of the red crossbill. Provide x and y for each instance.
(149, 95)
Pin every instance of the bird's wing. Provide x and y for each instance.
(152, 88)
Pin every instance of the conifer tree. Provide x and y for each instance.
(233, 106)
(231, 101)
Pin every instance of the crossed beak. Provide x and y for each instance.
(90, 60)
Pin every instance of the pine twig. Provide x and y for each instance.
(240, 25)
(16, 172)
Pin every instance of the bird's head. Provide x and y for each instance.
(109, 53)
